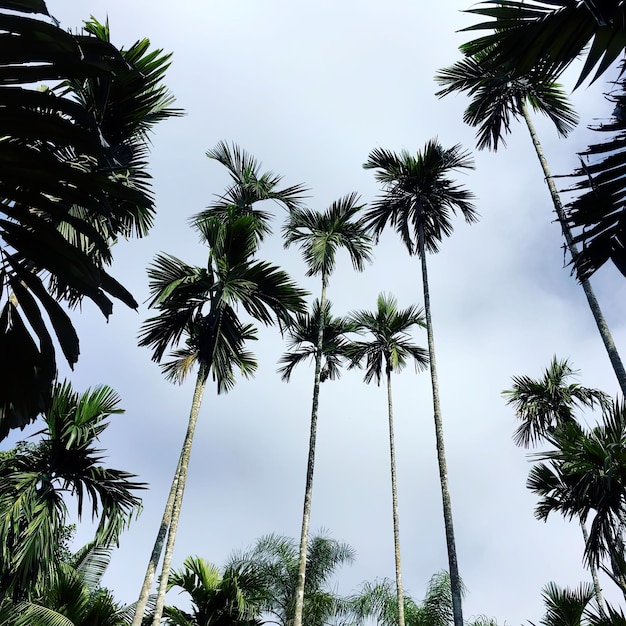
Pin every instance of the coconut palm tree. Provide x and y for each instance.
(198, 305)
(73, 180)
(418, 199)
(498, 96)
(276, 562)
(390, 346)
(231, 598)
(319, 234)
(35, 478)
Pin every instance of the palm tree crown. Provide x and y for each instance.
(320, 234)
(390, 345)
(200, 303)
(545, 404)
(419, 194)
(498, 96)
(249, 186)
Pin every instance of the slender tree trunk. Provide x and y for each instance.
(596, 311)
(180, 489)
(594, 574)
(394, 501)
(308, 490)
(144, 594)
(455, 579)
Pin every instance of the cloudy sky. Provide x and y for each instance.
(310, 88)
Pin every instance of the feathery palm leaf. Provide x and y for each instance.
(524, 34)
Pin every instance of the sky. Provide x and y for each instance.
(309, 89)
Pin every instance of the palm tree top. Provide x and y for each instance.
(302, 338)
(391, 343)
(249, 186)
(418, 192)
(544, 404)
(320, 233)
(498, 96)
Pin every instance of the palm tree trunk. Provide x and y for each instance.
(140, 607)
(596, 311)
(455, 579)
(308, 490)
(594, 574)
(180, 488)
(394, 501)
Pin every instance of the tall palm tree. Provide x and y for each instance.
(498, 95)
(319, 235)
(524, 35)
(391, 347)
(276, 562)
(198, 305)
(35, 478)
(550, 403)
(231, 598)
(418, 199)
(73, 180)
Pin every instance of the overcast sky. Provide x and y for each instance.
(310, 88)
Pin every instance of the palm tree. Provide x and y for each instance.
(418, 198)
(34, 479)
(498, 96)
(548, 403)
(198, 305)
(319, 235)
(249, 187)
(545, 405)
(565, 607)
(276, 562)
(302, 338)
(378, 601)
(585, 473)
(524, 35)
(231, 598)
(73, 181)
(75, 598)
(390, 345)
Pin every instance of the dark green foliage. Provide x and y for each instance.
(73, 179)
(35, 478)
